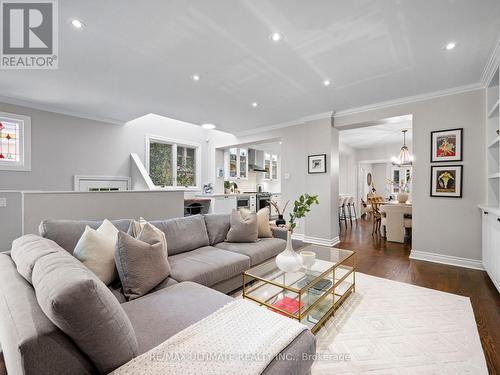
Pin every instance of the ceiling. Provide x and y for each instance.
(135, 59)
(386, 132)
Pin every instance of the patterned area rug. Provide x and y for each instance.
(388, 327)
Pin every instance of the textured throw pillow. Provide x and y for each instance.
(263, 223)
(142, 263)
(136, 227)
(81, 306)
(96, 250)
(244, 227)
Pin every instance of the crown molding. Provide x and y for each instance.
(409, 99)
(491, 65)
(48, 108)
(300, 121)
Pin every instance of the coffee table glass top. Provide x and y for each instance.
(326, 259)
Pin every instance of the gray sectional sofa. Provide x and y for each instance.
(202, 266)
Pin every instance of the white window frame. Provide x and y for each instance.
(24, 163)
(175, 143)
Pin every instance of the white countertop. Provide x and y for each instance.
(214, 195)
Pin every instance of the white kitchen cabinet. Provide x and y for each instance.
(223, 204)
(271, 165)
(491, 245)
(276, 198)
(236, 164)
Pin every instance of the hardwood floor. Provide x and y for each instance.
(390, 260)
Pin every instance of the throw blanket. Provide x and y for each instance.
(240, 338)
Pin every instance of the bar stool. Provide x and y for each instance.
(351, 204)
(342, 212)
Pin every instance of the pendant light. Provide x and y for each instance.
(405, 158)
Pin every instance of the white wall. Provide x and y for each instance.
(64, 146)
(381, 172)
(314, 137)
(445, 226)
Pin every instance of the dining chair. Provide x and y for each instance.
(376, 215)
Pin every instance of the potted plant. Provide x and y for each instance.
(289, 260)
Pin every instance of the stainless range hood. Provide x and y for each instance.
(256, 160)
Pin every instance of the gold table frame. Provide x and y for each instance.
(252, 282)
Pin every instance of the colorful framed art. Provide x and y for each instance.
(446, 181)
(446, 145)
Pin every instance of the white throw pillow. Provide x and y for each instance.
(96, 250)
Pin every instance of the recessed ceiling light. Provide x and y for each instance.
(276, 37)
(326, 82)
(208, 126)
(450, 46)
(77, 24)
(255, 104)
(195, 77)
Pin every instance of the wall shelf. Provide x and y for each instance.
(494, 111)
(494, 143)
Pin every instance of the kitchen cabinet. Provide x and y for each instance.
(491, 245)
(271, 165)
(236, 164)
(223, 204)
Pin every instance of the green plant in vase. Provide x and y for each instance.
(289, 260)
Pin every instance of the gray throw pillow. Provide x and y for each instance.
(81, 306)
(142, 263)
(243, 228)
(26, 251)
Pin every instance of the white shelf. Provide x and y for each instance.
(494, 175)
(494, 111)
(494, 142)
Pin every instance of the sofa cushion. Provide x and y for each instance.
(80, 305)
(31, 343)
(244, 226)
(217, 227)
(142, 263)
(26, 250)
(184, 233)
(207, 265)
(66, 233)
(263, 249)
(159, 315)
(96, 250)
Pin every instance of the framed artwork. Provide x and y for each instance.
(316, 164)
(446, 181)
(446, 145)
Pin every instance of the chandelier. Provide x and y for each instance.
(405, 158)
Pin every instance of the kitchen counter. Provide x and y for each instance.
(222, 195)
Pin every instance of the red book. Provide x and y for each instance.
(287, 304)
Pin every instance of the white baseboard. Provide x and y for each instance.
(447, 259)
(316, 240)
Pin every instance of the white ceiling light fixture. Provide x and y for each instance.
(77, 24)
(451, 45)
(255, 104)
(208, 126)
(405, 158)
(326, 82)
(195, 77)
(276, 37)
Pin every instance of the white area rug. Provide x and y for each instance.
(388, 327)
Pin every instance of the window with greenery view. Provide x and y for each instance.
(171, 164)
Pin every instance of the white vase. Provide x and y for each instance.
(402, 197)
(288, 260)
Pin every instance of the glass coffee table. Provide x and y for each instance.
(310, 295)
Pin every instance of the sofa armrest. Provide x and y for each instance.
(3, 369)
(279, 232)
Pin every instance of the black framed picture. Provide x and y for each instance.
(446, 181)
(446, 145)
(316, 164)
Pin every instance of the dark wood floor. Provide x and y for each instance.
(390, 260)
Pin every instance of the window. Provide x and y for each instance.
(15, 142)
(172, 163)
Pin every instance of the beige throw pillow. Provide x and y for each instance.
(96, 250)
(143, 262)
(244, 227)
(263, 223)
(136, 227)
